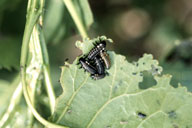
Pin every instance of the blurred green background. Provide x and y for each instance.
(160, 27)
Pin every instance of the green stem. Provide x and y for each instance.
(35, 113)
(49, 88)
(35, 9)
(46, 70)
(76, 18)
(32, 17)
(15, 100)
(35, 40)
(33, 14)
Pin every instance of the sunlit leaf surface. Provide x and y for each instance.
(117, 101)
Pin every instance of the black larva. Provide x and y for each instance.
(87, 66)
(99, 65)
(96, 50)
(105, 58)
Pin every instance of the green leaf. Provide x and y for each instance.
(7, 5)
(54, 19)
(13, 113)
(22, 118)
(83, 9)
(5, 93)
(58, 22)
(9, 53)
(117, 101)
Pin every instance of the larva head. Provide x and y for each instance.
(86, 45)
(101, 45)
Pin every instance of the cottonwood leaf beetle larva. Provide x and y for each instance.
(87, 66)
(96, 50)
(99, 65)
(105, 57)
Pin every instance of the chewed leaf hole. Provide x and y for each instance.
(148, 80)
(118, 101)
(141, 115)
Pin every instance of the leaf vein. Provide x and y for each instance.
(109, 101)
(115, 66)
(153, 114)
(71, 99)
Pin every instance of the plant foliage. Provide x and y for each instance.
(117, 101)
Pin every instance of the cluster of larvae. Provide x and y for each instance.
(96, 61)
